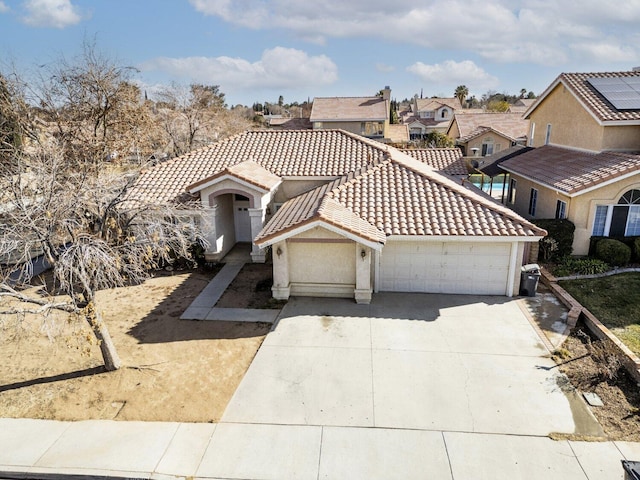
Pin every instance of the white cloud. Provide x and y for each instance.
(450, 72)
(3, 7)
(51, 13)
(278, 68)
(539, 31)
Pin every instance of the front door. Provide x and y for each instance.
(241, 218)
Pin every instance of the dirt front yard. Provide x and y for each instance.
(175, 370)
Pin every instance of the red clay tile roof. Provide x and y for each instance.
(445, 160)
(304, 153)
(349, 109)
(402, 196)
(377, 190)
(577, 83)
(571, 171)
(249, 171)
(510, 125)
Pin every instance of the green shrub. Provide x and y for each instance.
(636, 248)
(568, 266)
(614, 252)
(559, 240)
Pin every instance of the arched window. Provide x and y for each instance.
(445, 113)
(632, 197)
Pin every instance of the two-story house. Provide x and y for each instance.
(365, 116)
(430, 115)
(483, 134)
(586, 164)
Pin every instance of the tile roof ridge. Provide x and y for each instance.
(447, 182)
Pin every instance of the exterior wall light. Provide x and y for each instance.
(278, 251)
(363, 254)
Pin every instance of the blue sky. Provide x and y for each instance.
(257, 50)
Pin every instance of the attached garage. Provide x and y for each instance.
(445, 267)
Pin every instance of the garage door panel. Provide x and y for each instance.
(445, 267)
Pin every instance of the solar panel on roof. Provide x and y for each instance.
(621, 92)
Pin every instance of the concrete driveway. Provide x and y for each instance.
(410, 361)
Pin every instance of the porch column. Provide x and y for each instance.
(256, 215)
(208, 224)
(281, 288)
(362, 292)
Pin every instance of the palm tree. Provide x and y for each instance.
(461, 93)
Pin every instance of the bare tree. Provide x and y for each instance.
(93, 108)
(196, 115)
(88, 229)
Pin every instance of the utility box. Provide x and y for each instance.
(529, 278)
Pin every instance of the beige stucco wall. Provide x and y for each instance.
(585, 210)
(621, 138)
(499, 143)
(317, 266)
(547, 198)
(580, 209)
(571, 124)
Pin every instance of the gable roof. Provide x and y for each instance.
(570, 171)
(446, 160)
(335, 109)
(429, 104)
(373, 190)
(400, 196)
(299, 153)
(247, 171)
(510, 125)
(590, 98)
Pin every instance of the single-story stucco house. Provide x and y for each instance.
(347, 216)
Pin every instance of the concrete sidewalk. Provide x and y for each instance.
(41, 448)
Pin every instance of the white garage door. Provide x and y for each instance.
(445, 267)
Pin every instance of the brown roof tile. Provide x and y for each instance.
(510, 125)
(249, 171)
(324, 153)
(326, 109)
(403, 196)
(445, 160)
(571, 171)
(429, 104)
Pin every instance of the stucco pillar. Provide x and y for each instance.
(208, 225)
(362, 292)
(281, 288)
(256, 215)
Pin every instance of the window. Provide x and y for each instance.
(426, 114)
(487, 147)
(600, 221)
(512, 190)
(533, 201)
(547, 137)
(633, 222)
(561, 209)
(533, 132)
(445, 113)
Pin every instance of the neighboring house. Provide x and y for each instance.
(587, 166)
(397, 134)
(521, 105)
(346, 216)
(366, 116)
(483, 134)
(429, 115)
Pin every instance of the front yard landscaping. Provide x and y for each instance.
(615, 300)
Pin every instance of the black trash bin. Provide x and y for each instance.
(529, 277)
(632, 470)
